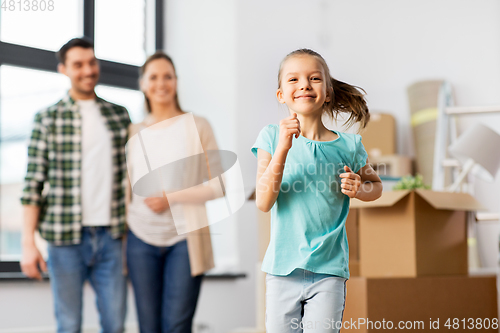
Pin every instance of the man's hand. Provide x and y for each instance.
(350, 182)
(32, 261)
(156, 204)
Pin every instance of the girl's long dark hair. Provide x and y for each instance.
(345, 97)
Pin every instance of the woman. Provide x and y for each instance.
(166, 264)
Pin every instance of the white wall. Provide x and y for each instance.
(201, 37)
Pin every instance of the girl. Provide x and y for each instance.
(307, 175)
(165, 266)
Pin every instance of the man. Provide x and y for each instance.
(77, 147)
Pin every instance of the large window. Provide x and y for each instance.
(124, 32)
(128, 18)
(41, 28)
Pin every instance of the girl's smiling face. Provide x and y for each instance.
(303, 86)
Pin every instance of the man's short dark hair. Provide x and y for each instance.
(75, 42)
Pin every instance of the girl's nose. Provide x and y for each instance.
(305, 85)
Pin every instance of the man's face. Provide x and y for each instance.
(82, 68)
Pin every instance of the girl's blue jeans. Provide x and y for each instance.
(304, 301)
(165, 292)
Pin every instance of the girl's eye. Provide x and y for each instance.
(316, 79)
(292, 79)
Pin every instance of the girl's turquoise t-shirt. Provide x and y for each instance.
(308, 217)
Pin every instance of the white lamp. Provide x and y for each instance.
(478, 149)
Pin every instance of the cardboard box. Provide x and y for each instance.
(353, 267)
(352, 230)
(351, 227)
(414, 233)
(379, 136)
(392, 165)
(420, 301)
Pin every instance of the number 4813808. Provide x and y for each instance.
(471, 323)
(27, 5)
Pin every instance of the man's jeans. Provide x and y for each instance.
(97, 258)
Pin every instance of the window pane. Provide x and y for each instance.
(42, 28)
(23, 92)
(121, 37)
(133, 100)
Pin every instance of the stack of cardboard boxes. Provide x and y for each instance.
(409, 266)
(379, 139)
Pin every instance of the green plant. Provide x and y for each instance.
(411, 183)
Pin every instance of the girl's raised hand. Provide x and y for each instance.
(289, 127)
(350, 182)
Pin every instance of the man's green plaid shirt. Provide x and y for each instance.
(55, 159)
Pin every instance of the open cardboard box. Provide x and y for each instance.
(420, 302)
(414, 233)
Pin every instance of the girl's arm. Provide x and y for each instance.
(269, 177)
(365, 185)
(270, 168)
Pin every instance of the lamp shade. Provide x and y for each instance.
(482, 145)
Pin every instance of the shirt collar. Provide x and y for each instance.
(70, 104)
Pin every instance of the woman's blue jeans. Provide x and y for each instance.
(165, 292)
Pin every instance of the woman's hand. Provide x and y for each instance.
(157, 204)
(289, 127)
(350, 182)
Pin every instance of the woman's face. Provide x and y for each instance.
(159, 82)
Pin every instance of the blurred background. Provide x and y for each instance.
(227, 54)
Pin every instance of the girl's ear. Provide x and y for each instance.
(279, 96)
(329, 93)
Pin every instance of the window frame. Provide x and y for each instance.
(113, 74)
